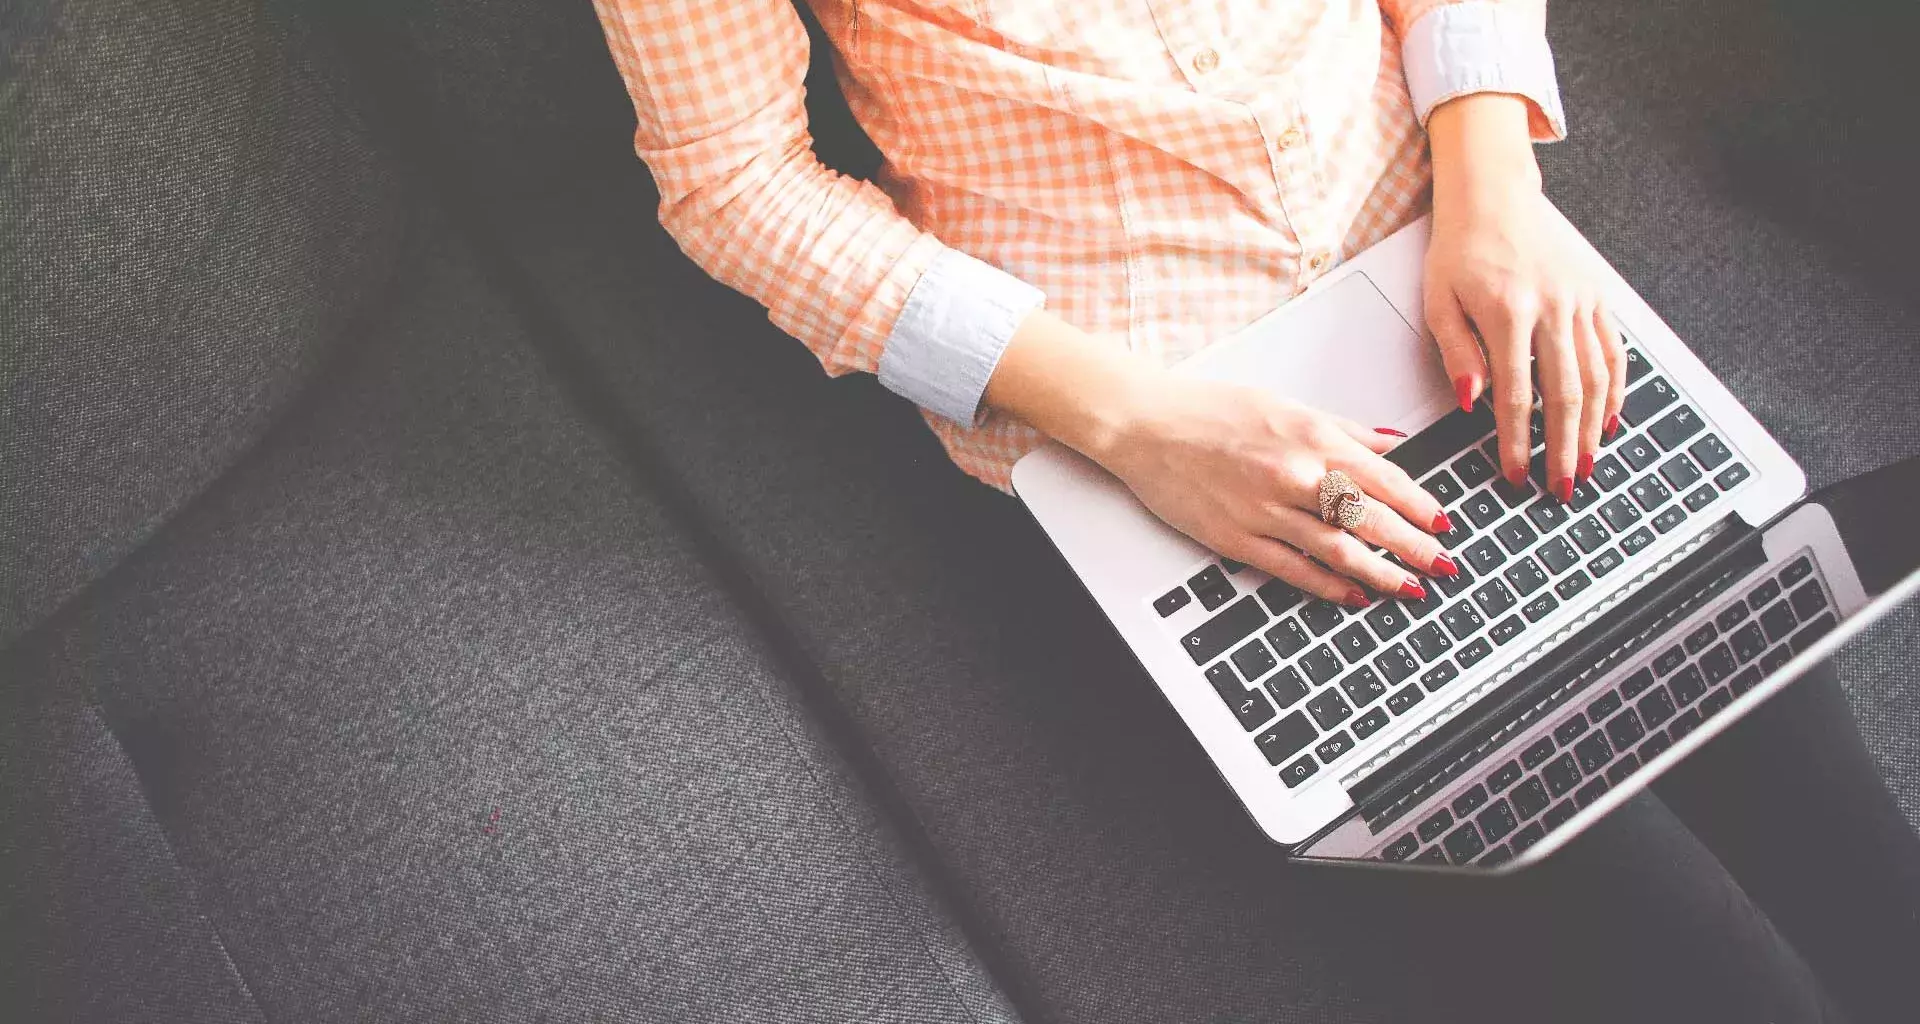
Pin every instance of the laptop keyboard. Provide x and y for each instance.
(1598, 744)
(1310, 679)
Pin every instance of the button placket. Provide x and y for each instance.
(1296, 185)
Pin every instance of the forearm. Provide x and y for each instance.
(1060, 381)
(1481, 145)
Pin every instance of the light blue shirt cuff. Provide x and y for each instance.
(1478, 46)
(949, 336)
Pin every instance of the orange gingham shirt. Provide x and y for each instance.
(1158, 173)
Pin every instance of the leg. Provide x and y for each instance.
(1791, 802)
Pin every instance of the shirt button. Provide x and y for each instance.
(1319, 261)
(1291, 137)
(1206, 60)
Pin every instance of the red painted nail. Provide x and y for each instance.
(1563, 488)
(1389, 431)
(1443, 566)
(1585, 468)
(1412, 590)
(1517, 477)
(1463, 387)
(1612, 426)
(1441, 524)
(1356, 599)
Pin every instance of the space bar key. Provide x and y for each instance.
(1446, 438)
(1214, 636)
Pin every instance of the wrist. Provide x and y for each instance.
(1082, 393)
(1482, 147)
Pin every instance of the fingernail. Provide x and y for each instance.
(1412, 590)
(1563, 488)
(1612, 426)
(1356, 599)
(1443, 566)
(1389, 431)
(1516, 476)
(1585, 468)
(1463, 387)
(1441, 524)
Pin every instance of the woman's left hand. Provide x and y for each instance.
(1503, 263)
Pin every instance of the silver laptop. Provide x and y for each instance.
(1584, 648)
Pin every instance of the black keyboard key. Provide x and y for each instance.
(1606, 562)
(1333, 746)
(1473, 469)
(1516, 534)
(1624, 729)
(1561, 775)
(1778, 620)
(1329, 708)
(1636, 684)
(1214, 636)
(1484, 555)
(1505, 775)
(1531, 797)
(1439, 675)
(1526, 838)
(1288, 688)
(1279, 595)
(1287, 638)
(1654, 746)
(1568, 731)
(1463, 844)
(1420, 608)
(1763, 595)
(1497, 821)
(1525, 576)
(1363, 686)
(1299, 771)
(1436, 825)
(1402, 848)
(1546, 516)
(1776, 659)
(1746, 680)
(1252, 708)
(1444, 488)
(1649, 492)
(1673, 429)
(1420, 453)
(1608, 473)
(1669, 518)
(1638, 452)
(1540, 607)
(1584, 495)
(1320, 664)
(1715, 700)
(1702, 637)
(1254, 660)
(1594, 752)
(1430, 641)
(1493, 597)
(1537, 753)
(1469, 799)
(1718, 663)
(1635, 542)
(1687, 686)
(1816, 629)
(1670, 659)
(1593, 790)
(1395, 664)
(1209, 578)
(1602, 706)
(1637, 366)
(1232, 566)
(1461, 620)
(1402, 700)
(1588, 533)
(1646, 400)
(1701, 497)
(1514, 496)
(1453, 586)
(1287, 737)
(1730, 616)
(1680, 472)
(1473, 653)
(1506, 629)
(1224, 682)
(1620, 770)
(1461, 529)
(1354, 642)
(1800, 569)
(1172, 601)
(1369, 723)
(1559, 815)
(1655, 707)
(1320, 615)
(1558, 555)
(1483, 510)
(1495, 857)
(1683, 723)
(1619, 513)
(1433, 855)
(1572, 585)
(1733, 476)
(1388, 620)
(1710, 452)
(1808, 600)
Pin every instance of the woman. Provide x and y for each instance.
(1075, 196)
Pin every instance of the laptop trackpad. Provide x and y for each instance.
(1346, 350)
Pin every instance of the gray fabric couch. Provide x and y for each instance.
(425, 596)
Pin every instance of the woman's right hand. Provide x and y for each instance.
(1239, 471)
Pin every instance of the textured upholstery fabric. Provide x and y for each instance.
(187, 218)
(446, 725)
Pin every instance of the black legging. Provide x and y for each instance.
(1772, 879)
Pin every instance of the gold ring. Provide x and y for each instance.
(1342, 503)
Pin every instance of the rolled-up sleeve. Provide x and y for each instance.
(1453, 48)
(719, 96)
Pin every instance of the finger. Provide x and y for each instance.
(1379, 440)
(1590, 351)
(1510, 345)
(1391, 486)
(1562, 394)
(1415, 547)
(1343, 553)
(1285, 562)
(1459, 349)
(1616, 356)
